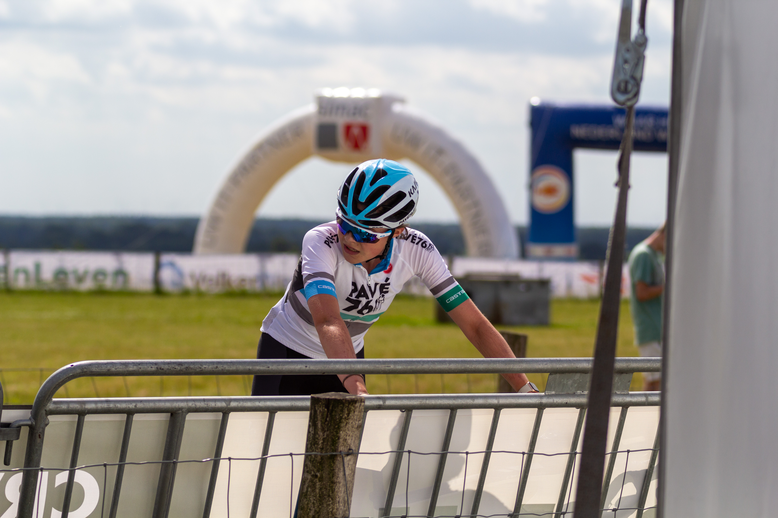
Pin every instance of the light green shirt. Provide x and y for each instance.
(646, 264)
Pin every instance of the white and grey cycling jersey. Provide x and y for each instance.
(362, 296)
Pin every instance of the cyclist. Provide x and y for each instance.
(349, 272)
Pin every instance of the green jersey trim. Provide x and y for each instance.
(367, 318)
(452, 298)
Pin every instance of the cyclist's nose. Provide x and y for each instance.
(349, 238)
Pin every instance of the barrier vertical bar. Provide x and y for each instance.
(271, 418)
(73, 464)
(570, 461)
(397, 463)
(216, 463)
(167, 471)
(479, 491)
(533, 441)
(452, 417)
(612, 460)
(649, 474)
(117, 486)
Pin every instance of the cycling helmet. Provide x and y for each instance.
(378, 193)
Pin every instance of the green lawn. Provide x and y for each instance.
(44, 331)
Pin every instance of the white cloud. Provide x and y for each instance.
(84, 10)
(26, 61)
(522, 10)
(170, 91)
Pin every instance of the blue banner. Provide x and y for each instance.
(556, 131)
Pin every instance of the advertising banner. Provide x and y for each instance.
(568, 279)
(93, 271)
(557, 130)
(81, 271)
(225, 273)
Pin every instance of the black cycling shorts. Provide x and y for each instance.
(291, 384)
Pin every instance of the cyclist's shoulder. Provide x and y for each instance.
(411, 240)
(322, 236)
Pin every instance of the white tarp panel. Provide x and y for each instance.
(582, 279)
(721, 451)
(245, 435)
(224, 273)
(46, 270)
(84, 271)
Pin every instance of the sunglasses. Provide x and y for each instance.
(360, 234)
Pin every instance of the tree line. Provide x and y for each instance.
(176, 234)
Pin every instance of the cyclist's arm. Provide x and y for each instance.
(334, 336)
(485, 338)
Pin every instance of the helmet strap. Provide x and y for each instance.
(386, 248)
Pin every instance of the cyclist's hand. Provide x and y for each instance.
(355, 384)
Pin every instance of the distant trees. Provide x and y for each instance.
(176, 234)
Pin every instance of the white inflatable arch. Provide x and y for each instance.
(353, 125)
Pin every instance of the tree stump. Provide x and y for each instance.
(334, 429)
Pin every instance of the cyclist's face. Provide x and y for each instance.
(356, 252)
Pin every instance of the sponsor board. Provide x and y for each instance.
(347, 122)
(582, 279)
(80, 271)
(254, 272)
(225, 273)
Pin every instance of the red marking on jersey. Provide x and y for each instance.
(389, 270)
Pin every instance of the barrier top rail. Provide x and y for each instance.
(105, 368)
(78, 406)
(45, 405)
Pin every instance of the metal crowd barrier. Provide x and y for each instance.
(392, 419)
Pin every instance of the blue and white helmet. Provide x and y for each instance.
(378, 193)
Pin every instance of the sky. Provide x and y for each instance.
(141, 107)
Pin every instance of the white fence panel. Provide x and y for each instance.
(209, 273)
(83, 271)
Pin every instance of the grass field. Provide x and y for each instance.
(44, 331)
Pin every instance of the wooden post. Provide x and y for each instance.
(334, 427)
(157, 281)
(518, 344)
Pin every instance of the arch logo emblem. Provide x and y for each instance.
(550, 189)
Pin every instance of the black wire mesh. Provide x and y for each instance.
(103, 470)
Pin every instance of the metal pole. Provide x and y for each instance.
(601, 386)
(167, 472)
(674, 152)
(479, 491)
(398, 459)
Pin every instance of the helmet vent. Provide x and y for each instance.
(351, 176)
(358, 186)
(387, 206)
(377, 175)
(403, 213)
(376, 195)
(369, 223)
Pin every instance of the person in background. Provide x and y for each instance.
(349, 272)
(647, 274)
